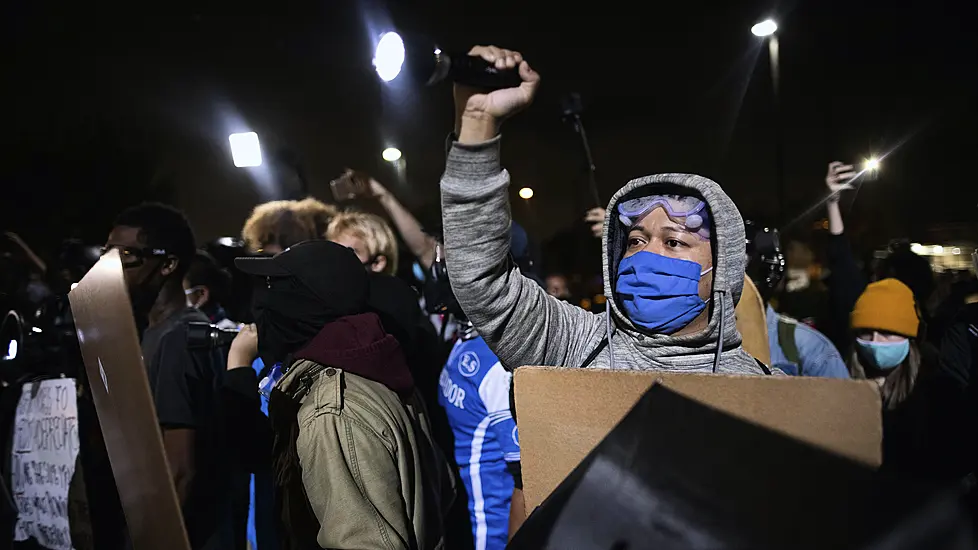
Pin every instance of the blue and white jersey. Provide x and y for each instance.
(475, 394)
(261, 524)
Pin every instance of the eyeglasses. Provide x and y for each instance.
(132, 256)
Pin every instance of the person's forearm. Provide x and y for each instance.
(836, 227)
(420, 244)
(32, 257)
(249, 434)
(517, 512)
(521, 324)
(178, 444)
(182, 479)
(476, 129)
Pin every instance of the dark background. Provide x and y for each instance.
(106, 106)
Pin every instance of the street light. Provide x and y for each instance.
(245, 149)
(391, 154)
(526, 193)
(764, 28)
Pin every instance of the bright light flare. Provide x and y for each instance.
(764, 28)
(872, 164)
(526, 193)
(917, 248)
(245, 149)
(389, 56)
(391, 154)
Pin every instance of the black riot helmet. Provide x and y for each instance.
(765, 260)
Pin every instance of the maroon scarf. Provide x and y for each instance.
(358, 344)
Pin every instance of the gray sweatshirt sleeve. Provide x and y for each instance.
(522, 324)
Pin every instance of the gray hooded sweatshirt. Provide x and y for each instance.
(525, 326)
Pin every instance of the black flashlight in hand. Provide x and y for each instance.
(436, 65)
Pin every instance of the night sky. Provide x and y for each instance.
(106, 108)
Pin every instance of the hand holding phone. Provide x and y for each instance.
(350, 186)
(838, 177)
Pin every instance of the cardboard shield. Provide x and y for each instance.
(752, 323)
(564, 413)
(113, 361)
(677, 474)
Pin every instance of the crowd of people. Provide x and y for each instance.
(356, 411)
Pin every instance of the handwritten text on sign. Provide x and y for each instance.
(43, 461)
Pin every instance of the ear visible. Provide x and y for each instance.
(205, 295)
(169, 266)
(379, 264)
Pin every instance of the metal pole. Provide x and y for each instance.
(591, 169)
(774, 57)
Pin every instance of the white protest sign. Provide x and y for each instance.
(43, 461)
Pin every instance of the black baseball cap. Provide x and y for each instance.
(331, 271)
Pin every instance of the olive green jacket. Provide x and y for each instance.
(372, 473)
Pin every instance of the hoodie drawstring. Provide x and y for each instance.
(716, 359)
(610, 332)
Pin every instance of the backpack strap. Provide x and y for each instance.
(786, 338)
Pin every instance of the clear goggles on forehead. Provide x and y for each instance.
(691, 211)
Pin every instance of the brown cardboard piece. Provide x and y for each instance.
(564, 413)
(752, 323)
(113, 362)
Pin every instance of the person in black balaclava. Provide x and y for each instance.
(343, 404)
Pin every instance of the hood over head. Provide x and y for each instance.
(729, 263)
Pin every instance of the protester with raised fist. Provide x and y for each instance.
(674, 259)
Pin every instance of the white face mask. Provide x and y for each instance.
(798, 279)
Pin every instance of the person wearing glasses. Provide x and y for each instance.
(156, 245)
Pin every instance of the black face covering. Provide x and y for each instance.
(143, 293)
(288, 315)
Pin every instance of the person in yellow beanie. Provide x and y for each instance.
(929, 413)
(885, 324)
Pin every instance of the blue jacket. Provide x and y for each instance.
(816, 353)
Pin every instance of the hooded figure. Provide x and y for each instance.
(352, 455)
(525, 326)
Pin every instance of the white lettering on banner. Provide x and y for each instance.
(43, 461)
(452, 392)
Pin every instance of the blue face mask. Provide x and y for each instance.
(658, 293)
(883, 355)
